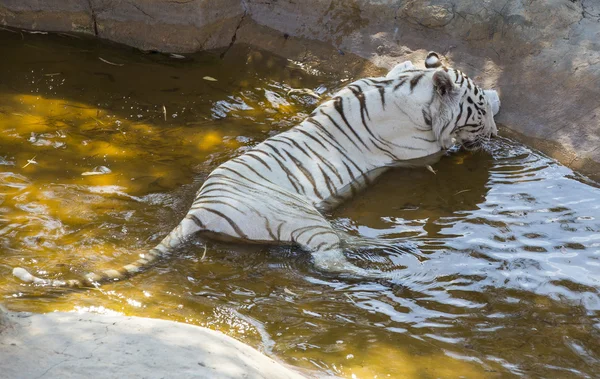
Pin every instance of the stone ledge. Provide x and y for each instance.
(72, 345)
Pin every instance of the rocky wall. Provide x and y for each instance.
(542, 56)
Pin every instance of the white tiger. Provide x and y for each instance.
(277, 191)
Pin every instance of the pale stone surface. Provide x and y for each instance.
(71, 345)
(542, 56)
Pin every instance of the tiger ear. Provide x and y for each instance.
(443, 83)
(398, 69)
(493, 99)
(433, 60)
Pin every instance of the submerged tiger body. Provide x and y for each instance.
(277, 191)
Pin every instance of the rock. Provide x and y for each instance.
(187, 26)
(429, 16)
(72, 345)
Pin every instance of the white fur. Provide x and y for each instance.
(432, 61)
(397, 70)
(493, 100)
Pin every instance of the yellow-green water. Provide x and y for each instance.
(505, 282)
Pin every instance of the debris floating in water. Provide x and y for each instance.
(165, 112)
(111, 63)
(431, 169)
(209, 78)
(463, 191)
(176, 56)
(31, 161)
(304, 91)
(97, 120)
(100, 170)
(23, 275)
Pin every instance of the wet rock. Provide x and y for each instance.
(66, 345)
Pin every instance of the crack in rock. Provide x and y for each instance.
(94, 20)
(234, 37)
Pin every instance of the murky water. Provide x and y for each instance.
(505, 281)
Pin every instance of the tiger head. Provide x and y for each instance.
(465, 112)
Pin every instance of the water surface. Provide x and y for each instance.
(504, 281)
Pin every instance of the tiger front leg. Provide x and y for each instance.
(328, 256)
(324, 243)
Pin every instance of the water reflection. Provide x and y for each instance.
(501, 280)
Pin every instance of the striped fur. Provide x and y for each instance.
(277, 191)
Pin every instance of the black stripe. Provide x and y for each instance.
(319, 246)
(278, 139)
(297, 145)
(359, 94)
(386, 151)
(276, 150)
(324, 130)
(340, 129)
(229, 220)
(239, 198)
(227, 189)
(382, 95)
(240, 161)
(330, 187)
(288, 198)
(258, 159)
(335, 143)
(446, 126)
(255, 150)
(474, 131)
(400, 83)
(307, 213)
(318, 234)
(459, 112)
(426, 117)
(351, 184)
(363, 110)
(268, 227)
(208, 201)
(305, 229)
(306, 173)
(339, 107)
(196, 220)
(327, 163)
(415, 80)
(424, 139)
(469, 113)
(251, 181)
(312, 137)
(290, 176)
